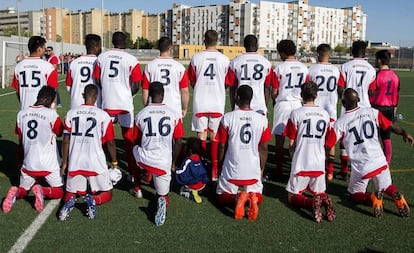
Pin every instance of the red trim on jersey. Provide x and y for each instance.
(341, 81)
(221, 135)
(290, 130)
(15, 84)
(352, 110)
(96, 71)
(52, 80)
(114, 112)
(276, 83)
(243, 182)
(178, 130)
(312, 173)
(383, 122)
(145, 83)
(184, 82)
(375, 172)
(41, 173)
(69, 80)
(53, 59)
(270, 78)
(152, 170)
(208, 114)
(266, 135)
(231, 78)
(373, 85)
(58, 127)
(85, 173)
(136, 74)
(109, 133)
(330, 139)
(198, 186)
(192, 77)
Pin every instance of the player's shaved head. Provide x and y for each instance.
(118, 40)
(286, 48)
(93, 44)
(244, 96)
(210, 38)
(35, 42)
(46, 96)
(358, 48)
(350, 99)
(164, 44)
(250, 43)
(309, 91)
(156, 92)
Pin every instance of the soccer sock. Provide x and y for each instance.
(226, 199)
(301, 201)
(21, 193)
(259, 198)
(204, 146)
(387, 149)
(344, 164)
(214, 156)
(391, 190)
(279, 152)
(53, 192)
(102, 197)
(69, 195)
(361, 197)
(128, 135)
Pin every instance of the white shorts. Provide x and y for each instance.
(99, 183)
(205, 123)
(358, 184)
(299, 184)
(281, 114)
(162, 183)
(225, 186)
(124, 119)
(54, 179)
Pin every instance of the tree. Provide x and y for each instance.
(58, 38)
(341, 49)
(144, 43)
(10, 30)
(128, 41)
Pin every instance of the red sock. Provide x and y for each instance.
(361, 197)
(204, 146)
(53, 192)
(21, 193)
(344, 164)
(329, 167)
(259, 198)
(391, 190)
(128, 135)
(214, 156)
(387, 149)
(279, 152)
(226, 199)
(69, 195)
(102, 198)
(301, 201)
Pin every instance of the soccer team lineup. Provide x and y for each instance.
(229, 149)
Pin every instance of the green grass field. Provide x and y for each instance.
(126, 224)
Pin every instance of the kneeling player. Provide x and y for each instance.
(358, 130)
(247, 134)
(159, 133)
(37, 127)
(87, 128)
(306, 129)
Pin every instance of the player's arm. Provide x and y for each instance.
(263, 151)
(384, 124)
(185, 99)
(232, 95)
(136, 78)
(221, 137)
(97, 74)
(65, 152)
(177, 136)
(108, 139)
(145, 95)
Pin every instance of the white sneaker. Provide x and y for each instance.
(136, 194)
(161, 211)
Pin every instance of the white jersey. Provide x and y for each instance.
(116, 69)
(358, 130)
(89, 128)
(243, 130)
(78, 76)
(157, 126)
(291, 74)
(308, 126)
(207, 72)
(29, 76)
(328, 78)
(170, 73)
(360, 76)
(37, 127)
(256, 71)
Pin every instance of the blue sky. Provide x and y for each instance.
(388, 21)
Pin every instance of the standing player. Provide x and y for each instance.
(80, 71)
(254, 70)
(246, 133)
(87, 128)
(172, 74)
(32, 73)
(291, 74)
(159, 131)
(385, 97)
(37, 127)
(307, 128)
(358, 130)
(54, 60)
(359, 75)
(118, 74)
(330, 86)
(209, 73)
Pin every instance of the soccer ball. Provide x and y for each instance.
(115, 175)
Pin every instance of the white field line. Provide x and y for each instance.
(8, 93)
(31, 231)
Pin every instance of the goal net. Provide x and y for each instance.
(12, 52)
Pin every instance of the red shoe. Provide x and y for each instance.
(10, 199)
(253, 207)
(239, 211)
